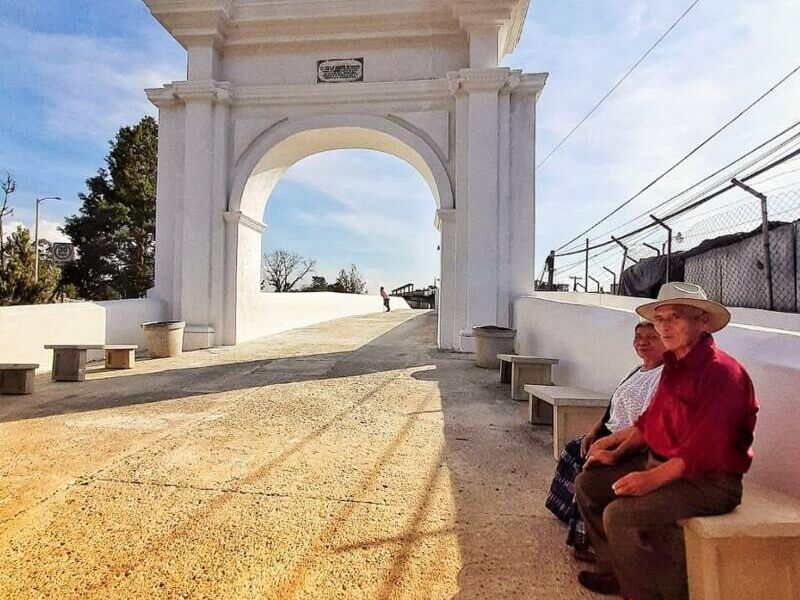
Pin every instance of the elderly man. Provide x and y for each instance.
(684, 457)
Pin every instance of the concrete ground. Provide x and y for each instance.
(345, 460)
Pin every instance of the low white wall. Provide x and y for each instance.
(25, 330)
(273, 313)
(124, 316)
(594, 347)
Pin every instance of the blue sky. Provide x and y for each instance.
(73, 72)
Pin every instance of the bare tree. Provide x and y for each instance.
(9, 186)
(282, 270)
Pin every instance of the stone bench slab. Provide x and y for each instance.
(17, 379)
(753, 552)
(520, 370)
(572, 411)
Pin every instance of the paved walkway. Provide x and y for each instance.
(346, 460)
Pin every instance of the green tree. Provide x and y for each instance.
(349, 282)
(18, 283)
(114, 234)
(318, 284)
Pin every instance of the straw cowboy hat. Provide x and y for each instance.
(687, 294)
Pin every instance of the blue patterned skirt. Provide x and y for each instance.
(561, 499)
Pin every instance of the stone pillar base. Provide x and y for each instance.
(198, 337)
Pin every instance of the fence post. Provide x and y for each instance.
(575, 281)
(586, 268)
(657, 251)
(765, 236)
(614, 283)
(550, 264)
(624, 260)
(669, 243)
(596, 282)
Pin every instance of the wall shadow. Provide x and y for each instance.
(388, 351)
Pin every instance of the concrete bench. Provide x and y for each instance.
(520, 371)
(753, 552)
(571, 410)
(69, 360)
(17, 379)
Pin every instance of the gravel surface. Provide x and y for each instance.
(346, 460)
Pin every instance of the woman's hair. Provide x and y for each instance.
(643, 323)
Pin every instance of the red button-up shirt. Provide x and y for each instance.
(703, 411)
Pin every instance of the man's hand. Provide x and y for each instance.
(587, 442)
(599, 458)
(638, 483)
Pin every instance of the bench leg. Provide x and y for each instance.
(570, 422)
(528, 374)
(539, 413)
(120, 359)
(17, 383)
(69, 365)
(742, 568)
(505, 372)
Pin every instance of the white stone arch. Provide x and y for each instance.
(262, 164)
(422, 81)
(266, 159)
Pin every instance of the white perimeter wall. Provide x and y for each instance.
(24, 330)
(273, 313)
(594, 346)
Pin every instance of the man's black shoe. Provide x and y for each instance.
(601, 583)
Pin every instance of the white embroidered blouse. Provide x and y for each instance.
(632, 397)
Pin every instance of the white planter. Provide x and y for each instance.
(164, 339)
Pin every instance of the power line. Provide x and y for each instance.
(725, 179)
(616, 85)
(685, 158)
(692, 206)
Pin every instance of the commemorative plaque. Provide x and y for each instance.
(340, 70)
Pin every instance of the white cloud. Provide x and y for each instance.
(88, 87)
(48, 230)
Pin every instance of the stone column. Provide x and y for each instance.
(199, 229)
(169, 196)
(482, 87)
(448, 334)
(522, 178)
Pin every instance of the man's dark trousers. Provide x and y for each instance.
(638, 539)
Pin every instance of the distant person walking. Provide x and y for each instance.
(385, 297)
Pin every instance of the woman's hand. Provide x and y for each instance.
(638, 483)
(599, 458)
(587, 442)
(604, 443)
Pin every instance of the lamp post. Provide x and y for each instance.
(36, 235)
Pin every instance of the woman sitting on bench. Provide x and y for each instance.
(629, 400)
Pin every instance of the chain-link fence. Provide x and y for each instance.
(736, 274)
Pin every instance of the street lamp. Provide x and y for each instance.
(36, 235)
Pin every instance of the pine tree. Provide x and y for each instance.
(114, 234)
(18, 283)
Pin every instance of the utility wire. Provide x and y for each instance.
(692, 206)
(616, 85)
(712, 175)
(685, 158)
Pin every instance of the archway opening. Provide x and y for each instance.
(351, 175)
(341, 208)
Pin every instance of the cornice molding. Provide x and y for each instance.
(239, 218)
(234, 23)
(531, 84)
(483, 80)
